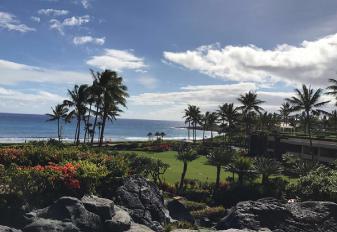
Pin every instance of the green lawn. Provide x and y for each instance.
(197, 169)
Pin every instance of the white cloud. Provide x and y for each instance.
(68, 22)
(148, 82)
(311, 62)
(52, 12)
(85, 3)
(118, 60)
(35, 19)
(11, 23)
(171, 105)
(23, 102)
(79, 40)
(12, 73)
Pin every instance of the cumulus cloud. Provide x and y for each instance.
(171, 105)
(80, 40)
(118, 60)
(35, 19)
(52, 12)
(148, 82)
(311, 62)
(12, 73)
(11, 23)
(68, 22)
(23, 102)
(85, 3)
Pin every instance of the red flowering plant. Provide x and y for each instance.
(11, 155)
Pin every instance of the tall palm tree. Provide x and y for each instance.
(204, 119)
(77, 102)
(150, 135)
(228, 116)
(219, 157)
(285, 111)
(114, 94)
(333, 119)
(96, 93)
(185, 154)
(192, 117)
(58, 112)
(307, 101)
(162, 135)
(250, 105)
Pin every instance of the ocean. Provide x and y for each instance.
(19, 128)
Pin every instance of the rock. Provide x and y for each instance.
(139, 228)
(121, 221)
(143, 200)
(178, 211)
(291, 217)
(67, 210)
(100, 206)
(8, 229)
(42, 225)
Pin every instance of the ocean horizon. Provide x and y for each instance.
(20, 128)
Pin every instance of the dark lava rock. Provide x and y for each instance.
(143, 200)
(291, 217)
(68, 213)
(121, 221)
(100, 206)
(8, 229)
(178, 211)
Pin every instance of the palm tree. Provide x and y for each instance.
(219, 157)
(58, 113)
(157, 134)
(307, 101)
(185, 154)
(96, 93)
(77, 102)
(193, 116)
(162, 135)
(188, 120)
(114, 93)
(228, 116)
(204, 119)
(333, 119)
(267, 167)
(242, 165)
(150, 135)
(250, 105)
(285, 111)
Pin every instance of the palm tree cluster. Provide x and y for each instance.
(92, 106)
(305, 111)
(157, 134)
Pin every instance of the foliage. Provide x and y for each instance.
(267, 167)
(319, 184)
(243, 167)
(213, 213)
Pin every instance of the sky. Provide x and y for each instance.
(170, 53)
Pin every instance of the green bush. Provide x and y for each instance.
(213, 213)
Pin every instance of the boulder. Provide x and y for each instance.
(42, 225)
(178, 211)
(121, 221)
(100, 206)
(274, 215)
(66, 212)
(139, 228)
(143, 200)
(8, 229)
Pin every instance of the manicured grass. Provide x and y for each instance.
(197, 169)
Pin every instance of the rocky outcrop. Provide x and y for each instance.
(178, 211)
(90, 214)
(8, 229)
(276, 216)
(143, 201)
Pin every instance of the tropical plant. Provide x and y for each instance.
(267, 167)
(228, 116)
(219, 157)
(77, 104)
(58, 112)
(149, 135)
(285, 111)
(307, 101)
(162, 135)
(250, 104)
(193, 116)
(242, 166)
(185, 154)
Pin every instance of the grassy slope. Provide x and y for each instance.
(197, 169)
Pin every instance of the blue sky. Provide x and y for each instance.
(171, 53)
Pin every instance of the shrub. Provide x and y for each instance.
(213, 213)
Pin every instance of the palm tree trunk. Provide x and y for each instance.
(75, 137)
(78, 130)
(102, 131)
(58, 129)
(310, 140)
(181, 185)
(94, 126)
(189, 130)
(203, 134)
(217, 181)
